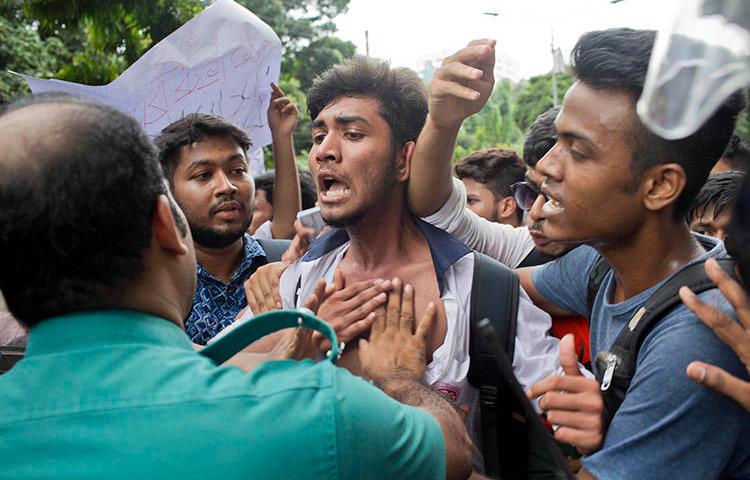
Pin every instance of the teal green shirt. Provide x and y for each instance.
(123, 395)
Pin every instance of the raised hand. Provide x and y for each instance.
(573, 402)
(462, 84)
(733, 333)
(395, 350)
(282, 114)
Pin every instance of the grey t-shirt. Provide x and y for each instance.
(667, 426)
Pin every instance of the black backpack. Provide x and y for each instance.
(515, 444)
(616, 367)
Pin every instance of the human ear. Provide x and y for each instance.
(663, 186)
(403, 161)
(164, 228)
(506, 207)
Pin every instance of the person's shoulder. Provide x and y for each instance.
(680, 329)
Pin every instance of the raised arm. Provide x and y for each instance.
(460, 88)
(282, 118)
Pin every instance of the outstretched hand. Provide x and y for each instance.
(395, 349)
(573, 402)
(733, 333)
(462, 84)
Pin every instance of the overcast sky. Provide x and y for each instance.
(409, 32)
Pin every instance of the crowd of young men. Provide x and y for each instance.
(107, 301)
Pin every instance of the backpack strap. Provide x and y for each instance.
(534, 258)
(616, 367)
(494, 296)
(274, 248)
(596, 279)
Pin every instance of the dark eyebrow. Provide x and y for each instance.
(214, 163)
(570, 135)
(341, 120)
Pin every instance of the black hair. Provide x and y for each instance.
(541, 137)
(307, 189)
(194, 128)
(737, 154)
(618, 59)
(738, 235)
(400, 91)
(265, 181)
(497, 169)
(717, 195)
(76, 218)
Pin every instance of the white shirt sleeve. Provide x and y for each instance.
(537, 353)
(506, 244)
(264, 231)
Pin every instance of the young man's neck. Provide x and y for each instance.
(651, 255)
(221, 262)
(384, 236)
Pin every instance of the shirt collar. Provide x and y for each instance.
(445, 249)
(103, 327)
(252, 257)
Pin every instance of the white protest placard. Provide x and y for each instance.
(220, 62)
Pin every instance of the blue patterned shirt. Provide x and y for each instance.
(216, 304)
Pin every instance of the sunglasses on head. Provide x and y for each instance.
(525, 193)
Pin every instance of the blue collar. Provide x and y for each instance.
(445, 250)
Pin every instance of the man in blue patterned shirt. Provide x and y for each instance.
(205, 159)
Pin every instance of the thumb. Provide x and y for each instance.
(721, 381)
(568, 357)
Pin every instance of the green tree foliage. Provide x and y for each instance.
(103, 38)
(535, 97)
(494, 125)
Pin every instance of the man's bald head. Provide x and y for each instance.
(78, 186)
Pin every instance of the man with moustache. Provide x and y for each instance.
(366, 118)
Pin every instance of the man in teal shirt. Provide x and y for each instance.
(98, 263)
